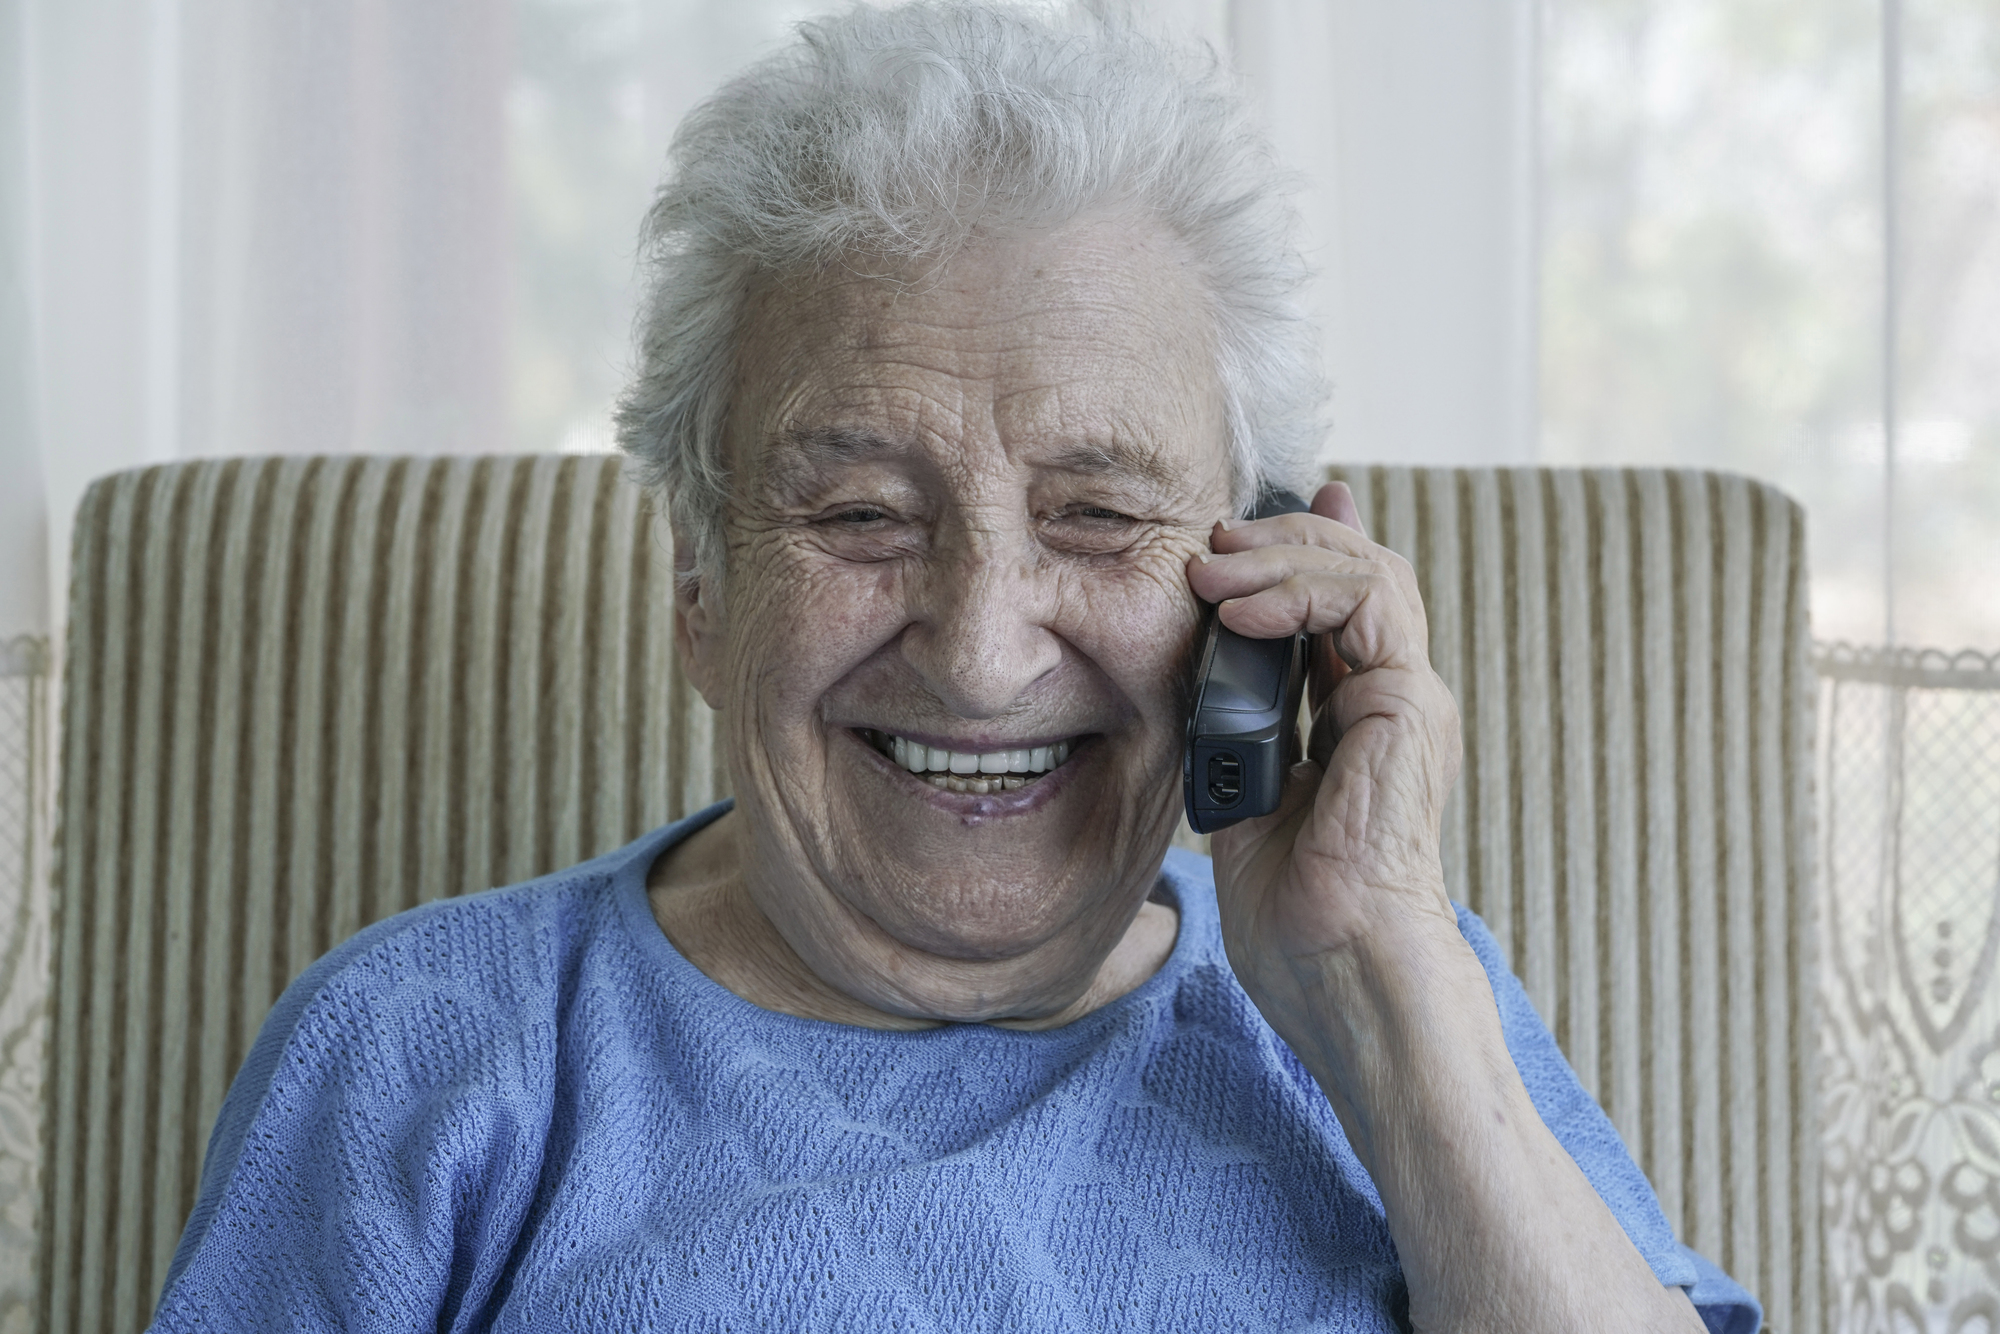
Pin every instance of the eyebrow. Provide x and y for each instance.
(834, 444)
(805, 451)
(1116, 458)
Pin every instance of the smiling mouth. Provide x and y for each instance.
(978, 772)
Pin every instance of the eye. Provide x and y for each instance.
(1092, 530)
(1096, 514)
(858, 514)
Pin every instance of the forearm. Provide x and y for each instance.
(1496, 1226)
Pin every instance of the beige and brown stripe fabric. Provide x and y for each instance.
(1630, 655)
(303, 694)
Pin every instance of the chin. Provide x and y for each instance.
(982, 876)
(934, 906)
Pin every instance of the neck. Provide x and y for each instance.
(702, 900)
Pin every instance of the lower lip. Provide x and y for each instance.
(977, 807)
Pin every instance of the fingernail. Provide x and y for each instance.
(1228, 524)
(1201, 556)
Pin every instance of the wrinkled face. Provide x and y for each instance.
(949, 648)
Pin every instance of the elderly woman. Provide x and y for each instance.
(970, 337)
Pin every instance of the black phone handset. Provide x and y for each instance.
(1243, 731)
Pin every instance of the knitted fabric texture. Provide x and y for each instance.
(524, 1110)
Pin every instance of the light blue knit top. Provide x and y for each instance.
(524, 1110)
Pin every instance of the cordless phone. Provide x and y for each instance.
(1242, 732)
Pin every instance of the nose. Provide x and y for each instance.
(981, 635)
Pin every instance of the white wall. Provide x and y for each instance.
(1415, 122)
(23, 500)
(87, 214)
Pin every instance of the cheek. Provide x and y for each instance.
(797, 625)
(1138, 626)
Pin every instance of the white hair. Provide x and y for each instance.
(885, 137)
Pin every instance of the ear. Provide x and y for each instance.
(697, 622)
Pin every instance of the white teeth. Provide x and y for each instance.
(973, 771)
(977, 784)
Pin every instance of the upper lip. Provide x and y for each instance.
(973, 745)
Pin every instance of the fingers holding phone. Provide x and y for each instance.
(1385, 739)
(1319, 573)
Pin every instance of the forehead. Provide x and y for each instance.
(1095, 337)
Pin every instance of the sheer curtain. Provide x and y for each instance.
(1763, 237)
(1771, 243)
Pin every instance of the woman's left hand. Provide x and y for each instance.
(1336, 922)
(1351, 854)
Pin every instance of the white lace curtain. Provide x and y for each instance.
(1909, 787)
(24, 913)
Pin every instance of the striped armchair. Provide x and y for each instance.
(305, 693)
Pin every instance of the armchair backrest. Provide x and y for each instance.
(303, 694)
(1631, 657)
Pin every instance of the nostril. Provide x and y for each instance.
(979, 656)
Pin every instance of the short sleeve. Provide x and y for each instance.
(1582, 1128)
